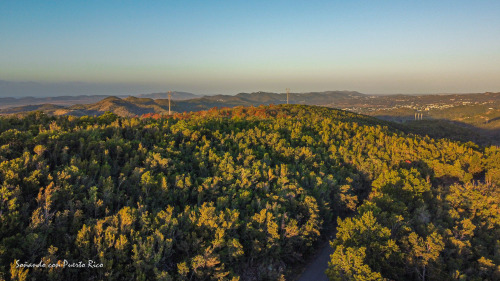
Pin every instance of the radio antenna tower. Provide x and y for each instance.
(287, 94)
(169, 97)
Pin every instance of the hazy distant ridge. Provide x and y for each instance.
(181, 101)
(175, 95)
(82, 99)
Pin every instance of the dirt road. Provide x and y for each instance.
(315, 270)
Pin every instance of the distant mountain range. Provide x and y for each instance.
(70, 88)
(83, 99)
(478, 113)
(175, 95)
(158, 102)
(182, 101)
(61, 100)
(247, 99)
(192, 101)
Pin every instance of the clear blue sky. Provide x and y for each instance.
(243, 46)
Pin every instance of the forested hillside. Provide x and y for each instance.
(242, 194)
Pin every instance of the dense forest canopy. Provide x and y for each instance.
(243, 194)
